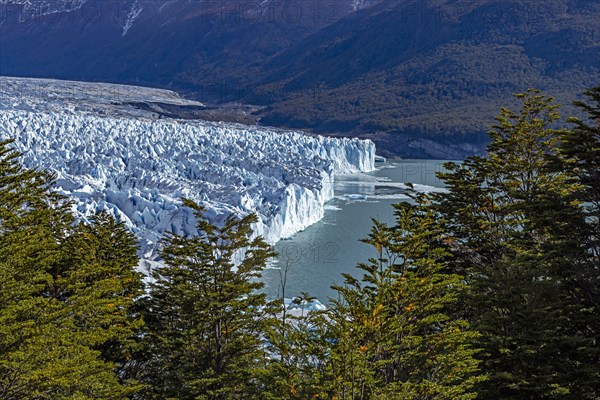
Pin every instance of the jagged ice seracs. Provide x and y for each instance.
(107, 155)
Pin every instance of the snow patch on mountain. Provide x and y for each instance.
(107, 156)
(357, 4)
(134, 13)
(31, 9)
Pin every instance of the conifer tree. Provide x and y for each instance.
(45, 352)
(205, 315)
(517, 231)
(98, 277)
(397, 331)
(581, 149)
(299, 345)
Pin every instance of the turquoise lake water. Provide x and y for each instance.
(316, 257)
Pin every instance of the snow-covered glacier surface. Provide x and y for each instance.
(109, 156)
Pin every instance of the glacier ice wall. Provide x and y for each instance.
(139, 168)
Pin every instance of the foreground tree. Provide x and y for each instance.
(295, 341)
(98, 277)
(48, 349)
(299, 347)
(581, 149)
(204, 314)
(397, 331)
(518, 235)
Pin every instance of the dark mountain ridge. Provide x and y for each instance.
(421, 78)
(438, 76)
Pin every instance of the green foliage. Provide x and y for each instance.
(581, 149)
(99, 279)
(204, 315)
(56, 335)
(490, 290)
(299, 344)
(400, 335)
(518, 238)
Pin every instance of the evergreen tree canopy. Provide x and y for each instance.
(204, 314)
(397, 331)
(581, 149)
(52, 336)
(518, 233)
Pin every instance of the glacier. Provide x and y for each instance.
(108, 155)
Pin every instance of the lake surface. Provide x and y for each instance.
(316, 257)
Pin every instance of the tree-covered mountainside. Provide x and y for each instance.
(420, 78)
(407, 73)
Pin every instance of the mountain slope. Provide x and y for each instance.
(422, 78)
(154, 42)
(429, 76)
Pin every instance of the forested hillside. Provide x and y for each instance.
(406, 73)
